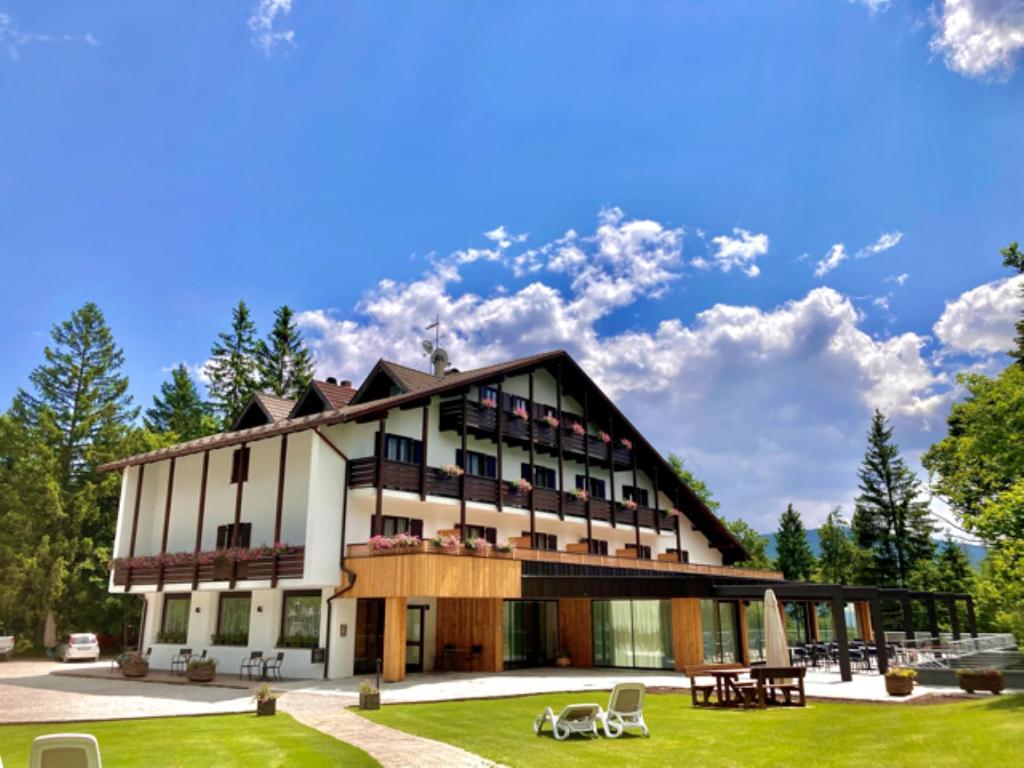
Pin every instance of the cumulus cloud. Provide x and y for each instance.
(739, 251)
(981, 321)
(979, 38)
(766, 404)
(263, 32)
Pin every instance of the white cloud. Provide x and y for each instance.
(261, 23)
(874, 6)
(836, 256)
(766, 404)
(979, 38)
(837, 253)
(884, 243)
(12, 39)
(981, 321)
(900, 279)
(740, 251)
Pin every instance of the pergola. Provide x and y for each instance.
(838, 596)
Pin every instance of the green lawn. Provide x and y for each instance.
(986, 732)
(222, 741)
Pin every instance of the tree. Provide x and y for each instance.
(890, 521)
(755, 544)
(232, 366)
(1013, 258)
(953, 571)
(283, 361)
(179, 410)
(793, 554)
(696, 485)
(837, 563)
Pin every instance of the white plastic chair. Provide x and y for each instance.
(575, 718)
(65, 750)
(625, 710)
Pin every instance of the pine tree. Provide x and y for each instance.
(283, 361)
(890, 521)
(232, 366)
(1013, 258)
(179, 410)
(838, 560)
(953, 571)
(793, 554)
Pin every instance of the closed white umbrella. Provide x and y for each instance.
(50, 631)
(776, 649)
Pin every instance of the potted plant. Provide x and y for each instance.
(521, 413)
(562, 658)
(453, 470)
(630, 505)
(502, 550)
(972, 680)
(369, 696)
(603, 436)
(266, 701)
(446, 544)
(476, 546)
(626, 443)
(551, 421)
(201, 670)
(489, 403)
(579, 494)
(134, 665)
(578, 429)
(899, 681)
(522, 486)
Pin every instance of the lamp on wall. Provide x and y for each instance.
(198, 609)
(259, 609)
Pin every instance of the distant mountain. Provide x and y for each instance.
(975, 552)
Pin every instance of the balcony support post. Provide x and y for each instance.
(636, 498)
(908, 617)
(378, 511)
(611, 470)
(135, 525)
(586, 473)
(238, 518)
(954, 617)
(465, 462)
(199, 518)
(498, 411)
(167, 523)
(657, 502)
(558, 439)
(279, 506)
(839, 630)
(679, 534)
(424, 435)
(533, 472)
(878, 629)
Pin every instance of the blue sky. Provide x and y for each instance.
(166, 159)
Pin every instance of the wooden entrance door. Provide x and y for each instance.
(414, 617)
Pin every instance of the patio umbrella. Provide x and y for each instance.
(50, 631)
(776, 649)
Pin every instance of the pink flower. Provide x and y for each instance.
(453, 470)
(604, 436)
(579, 494)
(630, 505)
(521, 413)
(523, 486)
(627, 444)
(489, 402)
(551, 421)
(675, 512)
(578, 429)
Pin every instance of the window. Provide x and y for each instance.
(174, 622)
(300, 620)
(489, 393)
(403, 449)
(517, 402)
(392, 526)
(490, 535)
(547, 541)
(755, 630)
(233, 619)
(718, 623)
(240, 465)
(479, 464)
(597, 547)
(639, 495)
(644, 552)
(225, 535)
(633, 633)
(596, 489)
(543, 477)
(684, 556)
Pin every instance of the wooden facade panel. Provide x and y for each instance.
(434, 575)
(687, 640)
(465, 623)
(394, 638)
(862, 611)
(744, 636)
(575, 630)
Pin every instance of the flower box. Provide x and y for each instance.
(972, 680)
(899, 686)
(369, 700)
(266, 708)
(201, 671)
(134, 667)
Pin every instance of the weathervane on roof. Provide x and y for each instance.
(432, 349)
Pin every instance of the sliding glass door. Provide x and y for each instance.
(531, 633)
(755, 630)
(719, 625)
(632, 633)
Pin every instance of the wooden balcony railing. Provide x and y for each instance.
(290, 565)
(400, 476)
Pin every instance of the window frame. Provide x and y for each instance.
(244, 536)
(637, 494)
(488, 462)
(172, 597)
(413, 525)
(595, 483)
(412, 446)
(289, 593)
(220, 615)
(539, 470)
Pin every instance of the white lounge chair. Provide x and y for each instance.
(65, 750)
(625, 710)
(575, 718)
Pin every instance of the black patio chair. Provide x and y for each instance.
(179, 662)
(253, 663)
(272, 667)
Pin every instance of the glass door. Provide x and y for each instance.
(369, 645)
(414, 638)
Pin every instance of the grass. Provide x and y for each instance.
(985, 732)
(224, 741)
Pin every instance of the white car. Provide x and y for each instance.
(79, 646)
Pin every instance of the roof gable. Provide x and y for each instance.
(263, 408)
(322, 396)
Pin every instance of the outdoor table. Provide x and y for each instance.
(723, 678)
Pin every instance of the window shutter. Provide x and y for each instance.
(491, 535)
(222, 536)
(581, 481)
(525, 472)
(417, 452)
(459, 458)
(492, 467)
(244, 535)
(416, 527)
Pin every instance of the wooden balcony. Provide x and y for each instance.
(269, 568)
(400, 476)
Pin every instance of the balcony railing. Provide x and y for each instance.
(290, 565)
(400, 476)
(483, 422)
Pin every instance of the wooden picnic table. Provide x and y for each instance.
(726, 685)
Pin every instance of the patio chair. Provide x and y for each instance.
(65, 750)
(625, 710)
(254, 662)
(575, 718)
(272, 667)
(179, 662)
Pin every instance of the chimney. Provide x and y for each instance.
(331, 380)
(347, 383)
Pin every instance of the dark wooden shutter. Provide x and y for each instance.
(459, 458)
(491, 535)
(417, 451)
(525, 472)
(492, 466)
(222, 536)
(581, 482)
(245, 535)
(416, 527)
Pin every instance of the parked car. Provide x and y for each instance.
(6, 644)
(78, 646)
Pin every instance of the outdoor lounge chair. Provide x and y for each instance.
(575, 718)
(65, 750)
(625, 710)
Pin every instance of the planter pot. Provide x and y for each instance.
(266, 708)
(899, 686)
(131, 668)
(443, 551)
(369, 700)
(203, 674)
(496, 553)
(972, 682)
(479, 552)
(563, 661)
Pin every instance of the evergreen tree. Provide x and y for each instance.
(793, 554)
(953, 571)
(699, 487)
(890, 521)
(837, 563)
(283, 361)
(179, 410)
(755, 544)
(1013, 258)
(232, 366)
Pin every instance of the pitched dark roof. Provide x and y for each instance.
(276, 407)
(263, 408)
(335, 394)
